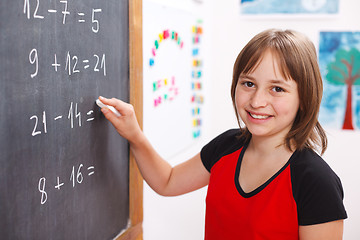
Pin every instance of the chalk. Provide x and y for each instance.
(100, 104)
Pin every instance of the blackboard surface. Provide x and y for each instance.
(64, 170)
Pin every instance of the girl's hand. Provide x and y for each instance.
(126, 124)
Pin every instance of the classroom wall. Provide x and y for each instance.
(183, 217)
(226, 33)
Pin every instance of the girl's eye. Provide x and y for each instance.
(278, 89)
(248, 84)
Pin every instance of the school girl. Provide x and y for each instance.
(265, 179)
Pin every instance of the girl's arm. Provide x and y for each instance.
(159, 174)
(324, 231)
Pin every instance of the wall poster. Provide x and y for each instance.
(257, 7)
(339, 59)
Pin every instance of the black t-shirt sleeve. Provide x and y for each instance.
(317, 190)
(220, 146)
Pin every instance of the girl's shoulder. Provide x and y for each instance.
(222, 145)
(317, 189)
(307, 164)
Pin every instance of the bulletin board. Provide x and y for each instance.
(173, 78)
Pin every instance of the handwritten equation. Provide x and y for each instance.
(73, 115)
(67, 61)
(72, 64)
(77, 176)
(33, 9)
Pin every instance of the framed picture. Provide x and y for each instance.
(339, 59)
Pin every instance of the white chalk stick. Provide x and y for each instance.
(100, 104)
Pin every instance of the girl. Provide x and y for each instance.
(265, 179)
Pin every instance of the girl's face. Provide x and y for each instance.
(267, 102)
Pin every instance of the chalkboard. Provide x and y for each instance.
(64, 170)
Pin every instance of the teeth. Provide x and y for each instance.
(259, 116)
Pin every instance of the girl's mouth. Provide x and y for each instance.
(259, 116)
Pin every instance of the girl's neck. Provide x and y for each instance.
(267, 146)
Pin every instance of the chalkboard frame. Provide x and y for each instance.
(134, 231)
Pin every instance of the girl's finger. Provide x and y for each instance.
(119, 105)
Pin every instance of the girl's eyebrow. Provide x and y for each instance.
(272, 81)
(275, 81)
(280, 82)
(246, 76)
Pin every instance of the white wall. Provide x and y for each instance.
(182, 217)
(226, 33)
(344, 158)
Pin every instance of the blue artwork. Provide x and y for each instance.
(339, 60)
(289, 7)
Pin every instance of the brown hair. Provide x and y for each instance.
(297, 59)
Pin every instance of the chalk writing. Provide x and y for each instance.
(32, 10)
(73, 115)
(76, 177)
(34, 59)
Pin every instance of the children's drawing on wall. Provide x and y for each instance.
(289, 7)
(172, 84)
(339, 60)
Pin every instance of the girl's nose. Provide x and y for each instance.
(259, 99)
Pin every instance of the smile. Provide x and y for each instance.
(256, 116)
